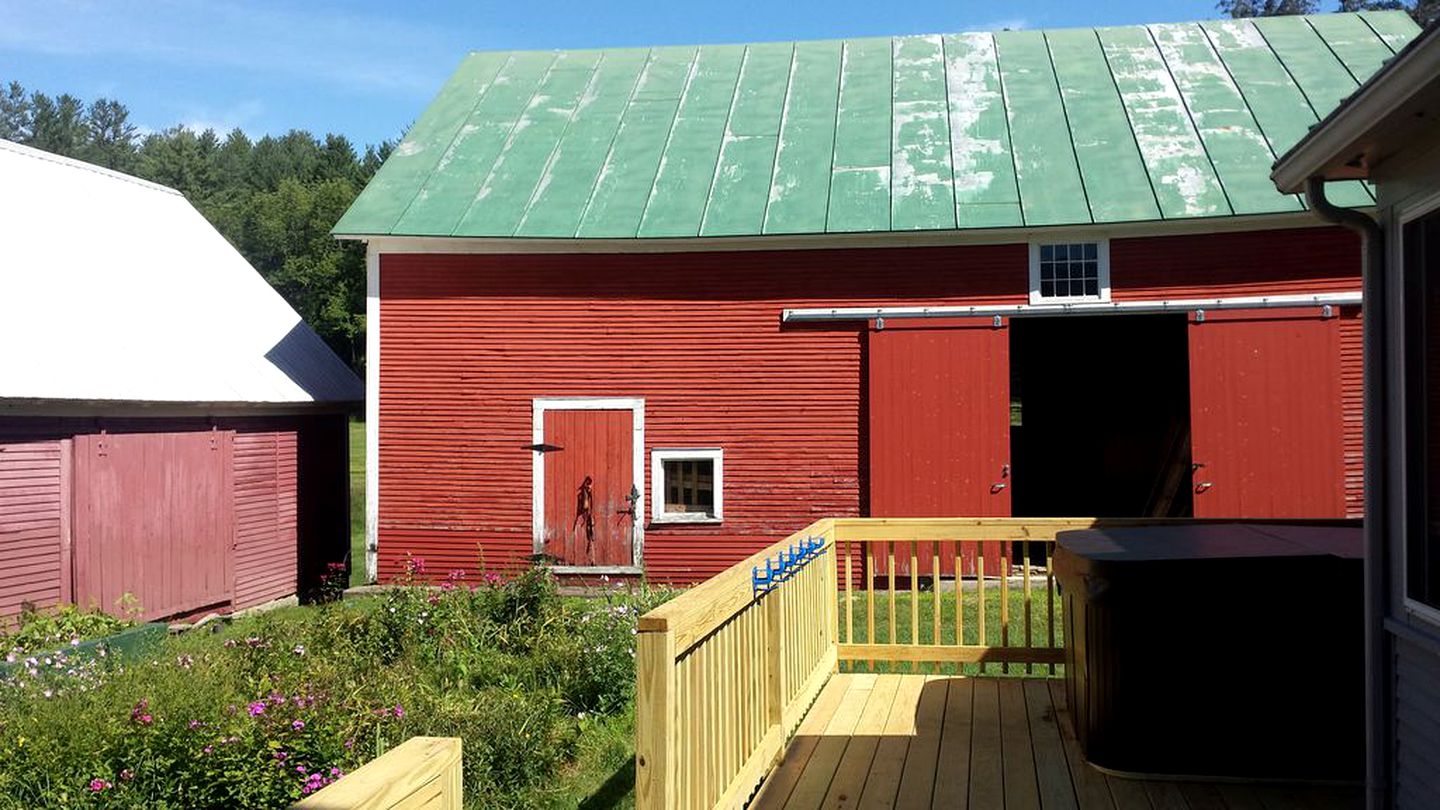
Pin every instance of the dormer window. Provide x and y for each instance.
(1067, 272)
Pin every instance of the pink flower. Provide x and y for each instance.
(209, 749)
(297, 725)
(127, 774)
(194, 724)
(97, 785)
(141, 713)
(257, 708)
(399, 710)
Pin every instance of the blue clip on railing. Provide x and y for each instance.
(785, 564)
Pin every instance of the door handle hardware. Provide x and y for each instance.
(1204, 486)
(996, 487)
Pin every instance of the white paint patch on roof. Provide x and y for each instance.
(116, 289)
(972, 78)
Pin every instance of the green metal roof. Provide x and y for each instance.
(1017, 128)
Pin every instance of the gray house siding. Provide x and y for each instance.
(1407, 183)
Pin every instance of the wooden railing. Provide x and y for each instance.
(726, 671)
(725, 675)
(901, 600)
(420, 772)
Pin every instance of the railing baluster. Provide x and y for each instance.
(890, 590)
(1005, 601)
(914, 599)
(984, 639)
(935, 598)
(849, 596)
(1050, 596)
(955, 549)
(870, 600)
(1025, 571)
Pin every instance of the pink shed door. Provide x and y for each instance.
(587, 482)
(1266, 415)
(940, 428)
(154, 517)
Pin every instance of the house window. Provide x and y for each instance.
(687, 485)
(1421, 247)
(1063, 272)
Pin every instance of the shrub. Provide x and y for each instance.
(56, 627)
(275, 706)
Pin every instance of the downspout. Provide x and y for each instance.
(1377, 693)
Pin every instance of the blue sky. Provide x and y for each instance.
(367, 69)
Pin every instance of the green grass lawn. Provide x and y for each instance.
(357, 503)
(925, 605)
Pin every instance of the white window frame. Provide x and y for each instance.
(539, 407)
(658, 457)
(1404, 214)
(1102, 256)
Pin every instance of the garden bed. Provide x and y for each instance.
(272, 707)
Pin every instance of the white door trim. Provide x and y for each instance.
(540, 406)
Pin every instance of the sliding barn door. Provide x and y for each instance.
(154, 519)
(939, 400)
(1266, 415)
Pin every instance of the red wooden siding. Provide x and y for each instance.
(1266, 415)
(1352, 408)
(467, 342)
(266, 549)
(34, 561)
(154, 519)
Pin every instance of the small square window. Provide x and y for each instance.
(687, 485)
(1069, 271)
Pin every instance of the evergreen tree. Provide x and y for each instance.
(16, 114)
(111, 135)
(58, 124)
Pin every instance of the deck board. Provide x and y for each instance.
(881, 741)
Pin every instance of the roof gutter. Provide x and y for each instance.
(1377, 735)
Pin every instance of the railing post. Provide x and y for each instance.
(655, 715)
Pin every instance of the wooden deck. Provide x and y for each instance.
(935, 741)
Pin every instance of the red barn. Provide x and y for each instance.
(170, 429)
(645, 310)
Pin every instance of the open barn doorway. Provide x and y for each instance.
(1100, 416)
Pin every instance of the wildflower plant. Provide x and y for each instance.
(277, 706)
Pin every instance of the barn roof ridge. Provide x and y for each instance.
(72, 163)
(926, 132)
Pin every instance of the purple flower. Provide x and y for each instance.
(281, 756)
(257, 708)
(297, 725)
(399, 711)
(209, 749)
(127, 774)
(299, 649)
(194, 724)
(97, 784)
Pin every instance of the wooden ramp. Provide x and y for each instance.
(873, 741)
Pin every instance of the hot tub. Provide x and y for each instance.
(1216, 650)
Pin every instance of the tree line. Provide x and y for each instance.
(1423, 12)
(275, 198)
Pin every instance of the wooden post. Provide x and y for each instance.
(655, 712)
